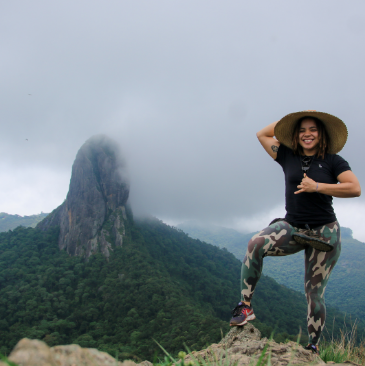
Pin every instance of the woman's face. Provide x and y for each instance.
(308, 136)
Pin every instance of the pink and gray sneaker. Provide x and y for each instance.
(242, 313)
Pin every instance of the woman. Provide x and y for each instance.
(306, 147)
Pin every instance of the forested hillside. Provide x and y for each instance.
(10, 222)
(345, 288)
(160, 284)
(220, 236)
(116, 305)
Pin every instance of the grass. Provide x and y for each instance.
(337, 350)
(224, 360)
(343, 348)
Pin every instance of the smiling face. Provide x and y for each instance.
(308, 136)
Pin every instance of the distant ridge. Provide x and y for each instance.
(10, 222)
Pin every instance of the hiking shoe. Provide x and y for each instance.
(242, 313)
(310, 237)
(313, 348)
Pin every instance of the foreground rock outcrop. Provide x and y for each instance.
(241, 346)
(93, 216)
(244, 346)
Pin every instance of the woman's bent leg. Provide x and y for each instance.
(275, 240)
(318, 267)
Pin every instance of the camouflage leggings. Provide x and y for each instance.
(276, 240)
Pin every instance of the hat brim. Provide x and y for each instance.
(335, 127)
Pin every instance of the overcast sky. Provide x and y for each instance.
(183, 86)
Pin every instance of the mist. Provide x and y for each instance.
(182, 87)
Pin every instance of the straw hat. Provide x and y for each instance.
(336, 129)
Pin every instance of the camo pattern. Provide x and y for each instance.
(277, 240)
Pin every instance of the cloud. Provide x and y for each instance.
(32, 190)
(350, 213)
(182, 86)
(251, 223)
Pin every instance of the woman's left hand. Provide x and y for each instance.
(307, 185)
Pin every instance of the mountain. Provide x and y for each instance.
(160, 285)
(92, 274)
(116, 303)
(10, 222)
(93, 216)
(345, 288)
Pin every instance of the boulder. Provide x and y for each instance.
(31, 352)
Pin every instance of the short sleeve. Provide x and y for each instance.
(281, 155)
(340, 165)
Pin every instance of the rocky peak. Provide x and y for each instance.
(93, 216)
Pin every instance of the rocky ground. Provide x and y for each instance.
(244, 346)
(241, 346)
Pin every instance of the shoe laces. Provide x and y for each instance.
(238, 309)
(309, 232)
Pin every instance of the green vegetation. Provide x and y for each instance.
(10, 222)
(344, 348)
(116, 305)
(6, 361)
(342, 352)
(161, 284)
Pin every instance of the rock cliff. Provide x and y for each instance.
(94, 214)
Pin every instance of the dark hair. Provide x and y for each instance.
(323, 137)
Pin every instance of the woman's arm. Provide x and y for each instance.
(266, 138)
(348, 186)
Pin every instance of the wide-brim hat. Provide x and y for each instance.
(335, 127)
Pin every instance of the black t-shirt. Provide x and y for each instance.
(314, 209)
